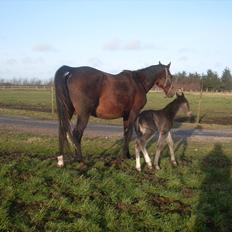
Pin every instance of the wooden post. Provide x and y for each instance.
(52, 98)
(199, 104)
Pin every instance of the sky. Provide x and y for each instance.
(39, 36)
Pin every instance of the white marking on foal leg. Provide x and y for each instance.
(146, 156)
(60, 161)
(137, 155)
(171, 148)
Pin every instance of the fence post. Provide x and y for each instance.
(52, 98)
(199, 104)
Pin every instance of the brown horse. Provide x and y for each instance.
(91, 92)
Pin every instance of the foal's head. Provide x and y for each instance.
(183, 104)
(165, 80)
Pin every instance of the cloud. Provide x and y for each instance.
(132, 45)
(11, 61)
(31, 60)
(95, 62)
(186, 50)
(117, 45)
(114, 44)
(43, 47)
(183, 58)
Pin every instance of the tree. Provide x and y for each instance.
(226, 79)
(211, 81)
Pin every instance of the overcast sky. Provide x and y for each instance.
(37, 37)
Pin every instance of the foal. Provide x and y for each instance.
(150, 121)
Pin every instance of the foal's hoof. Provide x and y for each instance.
(138, 169)
(174, 163)
(157, 168)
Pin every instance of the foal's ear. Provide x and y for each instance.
(160, 63)
(169, 65)
(177, 94)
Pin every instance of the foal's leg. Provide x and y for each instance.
(171, 148)
(81, 124)
(160, 146)
(137, 156)
(143, 143)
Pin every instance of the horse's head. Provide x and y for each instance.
(165, 80)
(184, 104)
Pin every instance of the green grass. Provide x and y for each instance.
(215, 108)
(35, 99)
(107, 194)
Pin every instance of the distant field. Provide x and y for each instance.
(107, 194)
(215, 108)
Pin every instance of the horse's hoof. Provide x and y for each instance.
(60, 162)
(127, 156)
(138, 169)
(60, 165)
(78, 158)
(157, 168)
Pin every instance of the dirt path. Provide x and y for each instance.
(95, 130)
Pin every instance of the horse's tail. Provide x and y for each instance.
(65, 107)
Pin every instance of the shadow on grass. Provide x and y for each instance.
(214, 209)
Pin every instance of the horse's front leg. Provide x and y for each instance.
(127, 136)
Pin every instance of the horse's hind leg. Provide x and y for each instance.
(128, 124)
(81, 124)
(63, 132)
(171, 148)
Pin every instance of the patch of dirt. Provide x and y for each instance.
(218, 120)
(127, 207)
(9, 156)
(168, 205)
(187, 192)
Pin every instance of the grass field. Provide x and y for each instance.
(215, 108)
(107, 194)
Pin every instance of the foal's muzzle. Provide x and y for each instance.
(189, 114)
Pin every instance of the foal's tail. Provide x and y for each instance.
(65, 107)
(137, 128)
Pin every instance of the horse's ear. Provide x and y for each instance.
(169, 65)
(160, 63)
